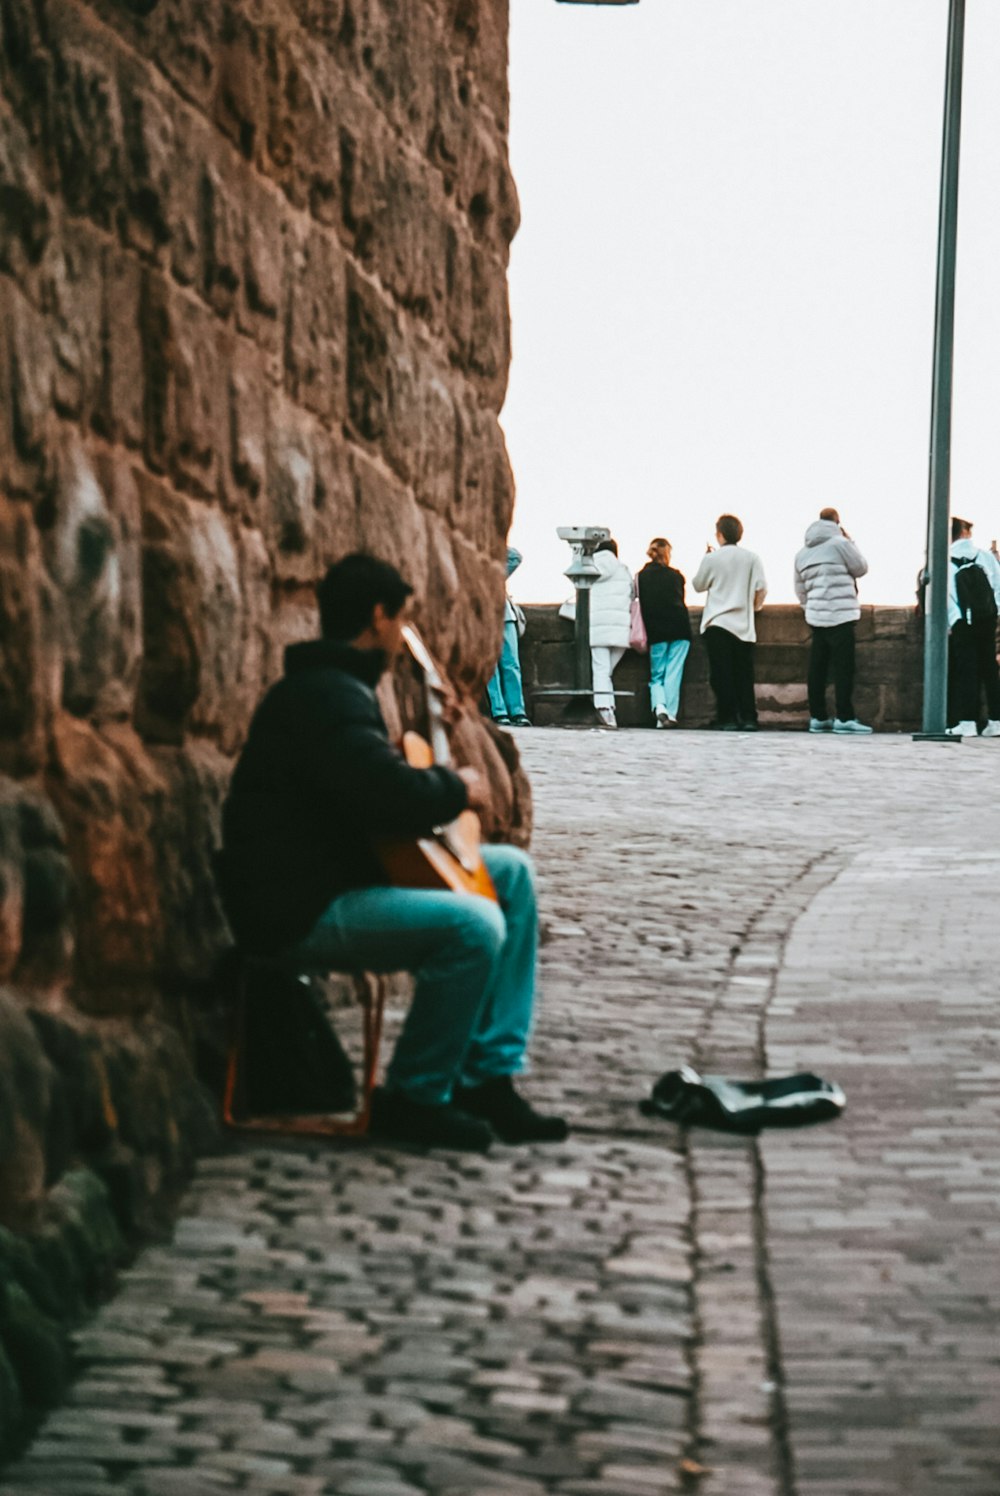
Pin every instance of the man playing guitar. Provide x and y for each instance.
(317, 789)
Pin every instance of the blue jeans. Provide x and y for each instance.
(666, 670)
(505, 691)
(474, 963)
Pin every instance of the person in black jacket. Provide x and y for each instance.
(668, 630)
(317, 783)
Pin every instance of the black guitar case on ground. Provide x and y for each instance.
(696, 1100)
(291, 1061)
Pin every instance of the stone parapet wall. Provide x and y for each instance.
(253, 314)
(889, 687)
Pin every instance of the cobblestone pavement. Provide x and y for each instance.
(638, 1311)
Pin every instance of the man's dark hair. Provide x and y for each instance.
(607, 545)
(959, 526)
(730, 528)
(830, 514)
(348, 593)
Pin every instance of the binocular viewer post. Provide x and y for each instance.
(584, 540)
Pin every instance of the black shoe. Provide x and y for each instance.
(501, 721)
(521, 722)
(749, 726)
(398, 1118)
(512, 1118)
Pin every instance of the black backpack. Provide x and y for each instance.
(974, 591)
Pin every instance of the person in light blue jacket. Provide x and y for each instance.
(505, 690)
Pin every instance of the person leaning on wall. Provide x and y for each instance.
(660, 589)
(735, 587)
(505, 690)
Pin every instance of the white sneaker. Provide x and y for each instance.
(962, 730)
(662, 720)
(852, 726)
(991, 730)
(607, 716)
(820, 724)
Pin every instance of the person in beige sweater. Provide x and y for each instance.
(735, 587)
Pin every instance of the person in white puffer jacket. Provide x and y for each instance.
(826, 573)
(610, 619)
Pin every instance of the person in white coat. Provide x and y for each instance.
(610, 619)
(826, 584)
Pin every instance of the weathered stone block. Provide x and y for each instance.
(484, 490)
(91, 547)
(393, 49)
(307, 95)
(316, 358)
(391, 522)
(249, 398)
(121, 406)
(150, 158)
(104, 788)
(263, 265)
(12, 890)
(88, 128)
(369, 330)
(187, 833)
(29, 656)
(222, 236)
(25, 1090)
(25, 215)
(476, 34)
(29, 379)
(240, 101)
(195, 622)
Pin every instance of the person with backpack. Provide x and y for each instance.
(973, 601)
(826, 584)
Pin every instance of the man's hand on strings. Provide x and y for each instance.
(476, 786)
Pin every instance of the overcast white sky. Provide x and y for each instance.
(723, 285)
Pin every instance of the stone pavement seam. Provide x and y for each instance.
(740, 1396)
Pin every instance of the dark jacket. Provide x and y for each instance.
(661, 598)
(316, 782)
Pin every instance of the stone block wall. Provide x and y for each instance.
(889, 688)
(253, 314)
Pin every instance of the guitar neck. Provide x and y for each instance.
(434, 689)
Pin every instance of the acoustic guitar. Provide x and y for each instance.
(449, 858)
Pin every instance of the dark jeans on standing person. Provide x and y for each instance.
(832, 648)
(730, 671)
(972, 667)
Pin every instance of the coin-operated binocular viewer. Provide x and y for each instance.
(582, 572)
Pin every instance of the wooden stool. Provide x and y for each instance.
(370, 992)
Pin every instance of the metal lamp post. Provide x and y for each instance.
(938, 504)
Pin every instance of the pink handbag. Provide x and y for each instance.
(637, 629)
